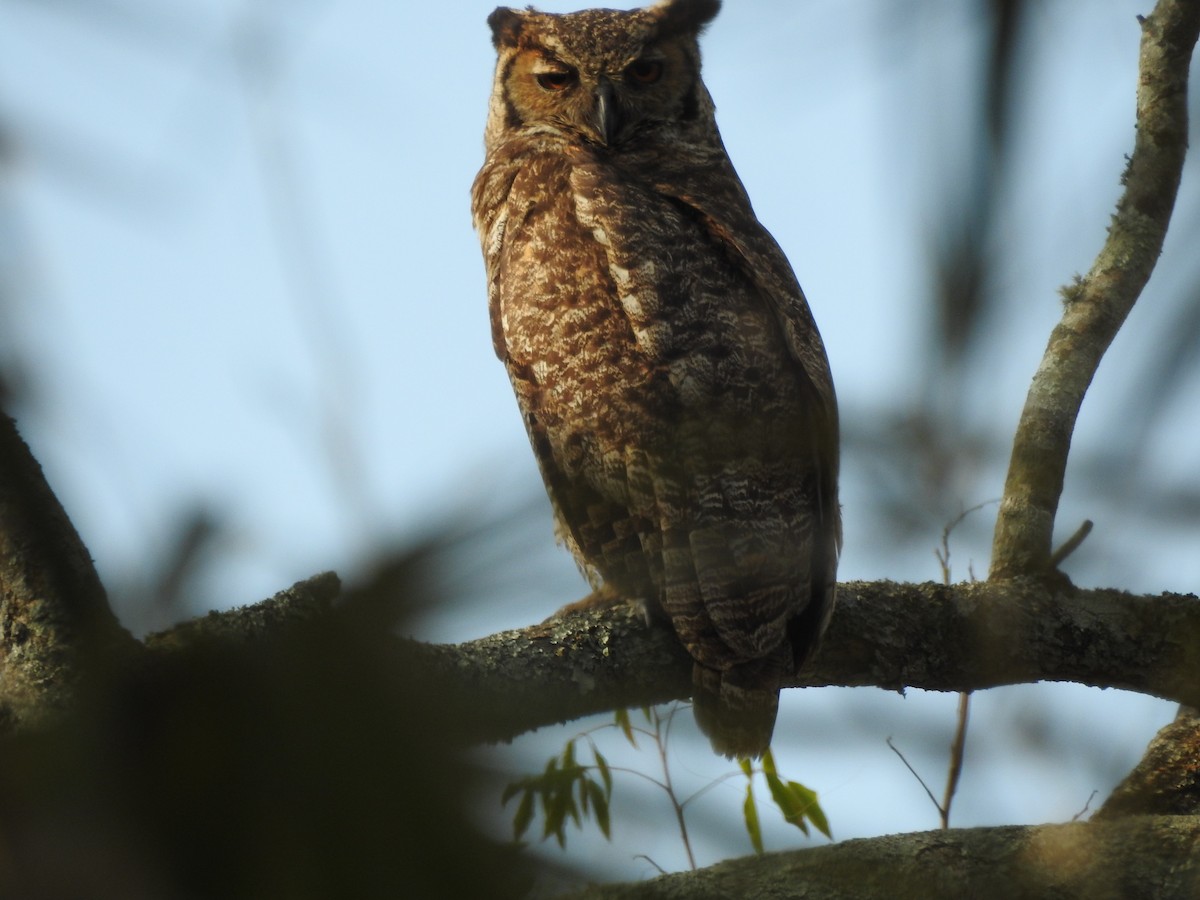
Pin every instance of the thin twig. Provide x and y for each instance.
(943, 554)
(1082, 812)
(661, 870)
(1072, 544)
(920, 780)
(957, 751)
(959, 744)
(660, 737)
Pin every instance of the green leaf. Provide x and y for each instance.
(646, 713)
(747, 767)
(511, 790)
(806, 799)
(768, 763)
(600, 805)
(524, 815)
(816, 815)
(622, 717)
(556, 817)
(568, 757)
(605, 774)
(583, 785)
(750, 811)
(792, 809)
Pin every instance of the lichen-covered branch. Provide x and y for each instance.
(1139, 856)
(1167, 780)
(588, 662)
(1097, 304)
(55, 621)
(932, 636)
(299, 604)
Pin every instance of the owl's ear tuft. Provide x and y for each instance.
(506, 26)
(685, 16)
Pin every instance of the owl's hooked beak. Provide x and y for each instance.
(608, 117)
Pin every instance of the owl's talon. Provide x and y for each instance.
(598, 599)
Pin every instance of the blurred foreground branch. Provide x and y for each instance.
(54, 613)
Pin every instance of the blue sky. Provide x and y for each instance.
(246, 272)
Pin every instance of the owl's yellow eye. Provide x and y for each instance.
(645, 71)
(555, 81)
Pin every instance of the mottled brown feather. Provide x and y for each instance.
(672, 380)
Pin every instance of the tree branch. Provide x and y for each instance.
(1139, 856)
(937, 637)
(297, 605)
(55, 623)
(1096, 305)
(1166, 781)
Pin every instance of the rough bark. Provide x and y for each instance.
(1097, 304)
(1167, 780)
(301, 603)
(1136, 858)
(55, 621)
(937, 637)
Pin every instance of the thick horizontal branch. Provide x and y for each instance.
(1139, 856)
(944, 638)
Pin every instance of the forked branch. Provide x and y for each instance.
(1097, 304)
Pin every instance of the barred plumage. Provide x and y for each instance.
(673, 382)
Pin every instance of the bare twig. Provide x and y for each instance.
(943, 553)
(1098, 303)
(958, 748)
(958, 745)
(920, 781)
(1072, 544)
(662, 731)
(1083, 812)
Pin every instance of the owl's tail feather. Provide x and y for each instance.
(738, 719)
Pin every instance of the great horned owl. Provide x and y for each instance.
(672, 380)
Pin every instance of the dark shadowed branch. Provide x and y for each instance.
(1134, 857)
(1097, 304)
(54, 614)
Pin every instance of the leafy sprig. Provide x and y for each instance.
(570, 790)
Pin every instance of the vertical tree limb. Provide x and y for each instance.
(1096, 305)
(54, 614)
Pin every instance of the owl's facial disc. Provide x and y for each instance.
(592, 102)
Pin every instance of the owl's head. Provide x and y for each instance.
(611, 79)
